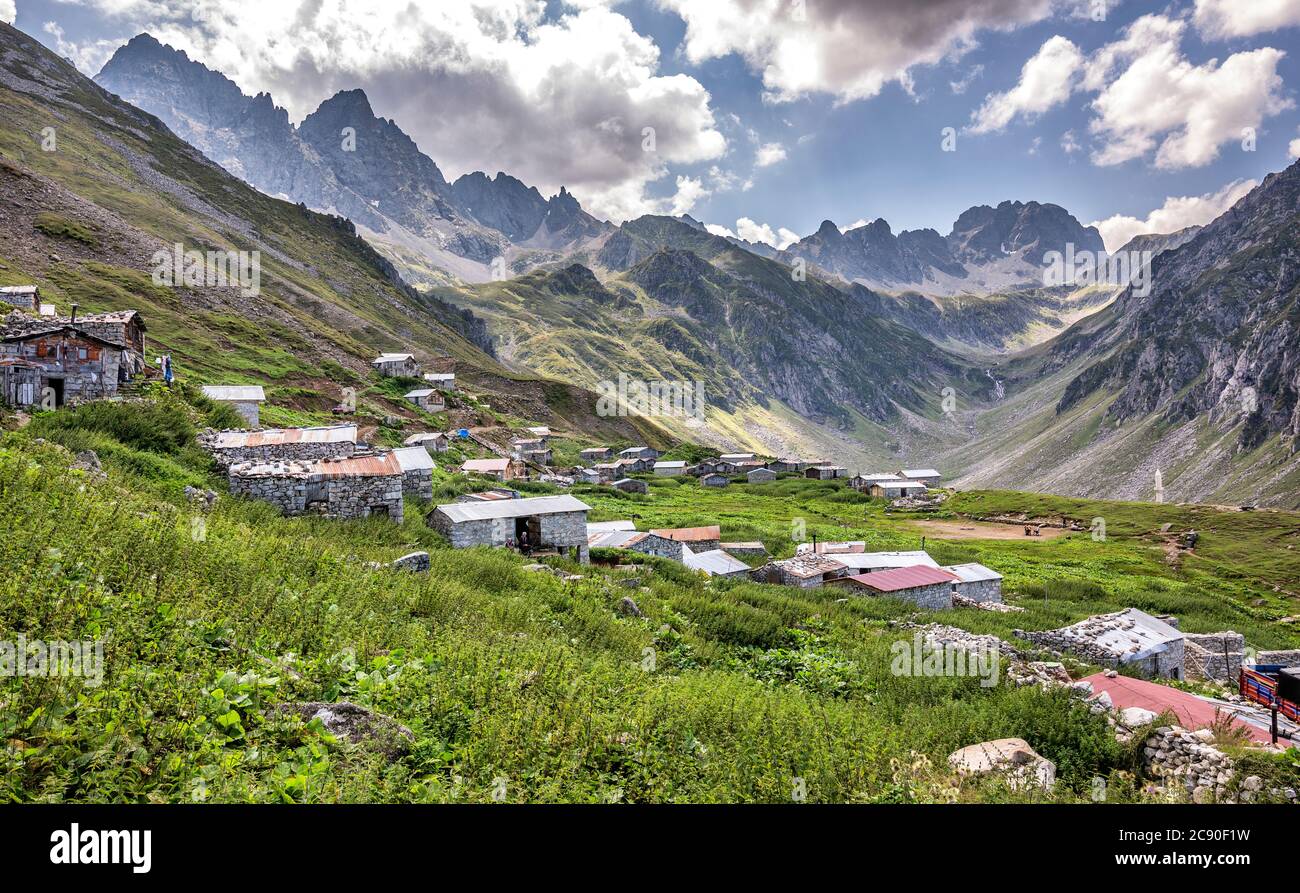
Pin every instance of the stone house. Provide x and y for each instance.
(715, 480)
(640, 452)
(863, 482)
(698, 539)
(716, 563)
(976, 582)
(396, 365)
(1131, 637)
(649, 543)
(631, 485)
(928, 476)
(784, 466)
(608, 472)
(760, 475)
(826, 472)
(806, 571)
(541, 456)
(926, 587)
(670, 469)
(443, 381)
(588, 476)
(432, 442)
(707, 466)
(896, 489)
(1215, 656)
(862, 562)
(634, 465)
(737, 458)
(24, 297)
(596, 454)
(286, 444)
(345, 488)
(427, 399)
(73, 364)
(549, 522)
(531, 449)
(246, 399)
(417, 472)
(751, 549)
(501, 469)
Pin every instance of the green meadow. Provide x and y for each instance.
(521, 685)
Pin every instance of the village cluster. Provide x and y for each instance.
(48, 361)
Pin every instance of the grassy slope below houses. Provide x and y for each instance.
(506, 673)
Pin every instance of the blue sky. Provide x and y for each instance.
(854, 122)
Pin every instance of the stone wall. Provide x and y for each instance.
(658, 545)
(364, 497)
(1205, 660)
(981, 590)
(289, 452)
(936, 597)
(1281, 658)
(287, 492)
(563, 530)
(418, 483)
(1077, 640)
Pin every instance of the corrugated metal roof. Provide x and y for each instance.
(392, 358)
(419, 393)
(736, 457)
(900, 485)
(486, 465)
(512, 508)
(414, 458)
(882, 561)
(242, 393)
(689, 534)
(879, 476)
(440, 376)
(973, 572)
(912, 473)
(613, 539)
(900, 578)
(385, 465)
(833, 548)
(598, 526)
(415, 439)
(18, 290)
(714, 562)
(281, 436)
(671, 464)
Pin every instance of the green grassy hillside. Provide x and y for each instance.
(721, 692)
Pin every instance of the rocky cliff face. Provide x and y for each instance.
(1219, 333)
(346, 160)
(989, 249)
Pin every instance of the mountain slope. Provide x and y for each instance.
(344, 159)
(1199, 379)
(84, 221)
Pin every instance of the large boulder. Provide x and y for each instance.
(1011, 757)
(354, 724)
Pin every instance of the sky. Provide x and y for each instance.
(765, 117)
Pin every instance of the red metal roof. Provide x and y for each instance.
(900, 578)
(690, 534)
(1193, 713)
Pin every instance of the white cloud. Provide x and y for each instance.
(1173, 215)
(720, 230)
(86, 56)
(690, 191)
(480, 85)
(846, 48)
(1150, 99)
(1294, 148)
(751, 231)
(1046, 80)
(960, 86)
(1223, 19)
(769, 154)
(8, 11)
(1070, 143)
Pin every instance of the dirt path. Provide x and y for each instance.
(981, 530)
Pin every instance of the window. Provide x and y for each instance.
(81, 353)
